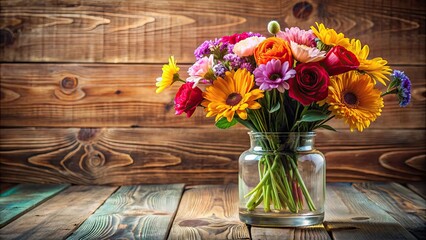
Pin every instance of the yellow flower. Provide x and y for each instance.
(329, 36)
(234, 94)
(170, 75)
(352, 96)
(376, 67)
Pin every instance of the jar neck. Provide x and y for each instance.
(282, 141)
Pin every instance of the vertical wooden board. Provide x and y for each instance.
(418, 187)
(402, 204)
(209, 212)
(133, 212)
(60, 215)
(317, 232)
(16, 201)
(351, 215)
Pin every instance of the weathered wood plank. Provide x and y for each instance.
(351, 215)
(133, 212)
(317, 232)
(119, 95)
(209, 212)
(20, 199)
(418, 187)
(408, 208)
(148, 31)
(195, 156)
(59, 216)
(6, 186)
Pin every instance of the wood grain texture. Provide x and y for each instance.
(6, 186)
(120, 95)
(20, 199)
(149, 31)
(351, 215)
(57, 217)
(133, 212)
(418, 187)
(209, 212)
(173, 155)
(405, 206)
(317, 232)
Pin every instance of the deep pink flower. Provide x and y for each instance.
(187, 99)
(339, 60)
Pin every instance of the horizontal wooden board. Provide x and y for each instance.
(193, 156)
(402, 204)
(109, 95)
(317, 232)
(133, 212)
(60, 215)
(23, 197)
(351, 215)
(150, 31)
(209, 212)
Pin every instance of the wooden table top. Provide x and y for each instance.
(353, 211)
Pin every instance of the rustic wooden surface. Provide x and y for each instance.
(141, 155)
(57, 217)
(149, 31)
(418, 187)
(209, 212)
(22, 198)
(317, 232)
(353, 211)
(405, 206)
(348, 209)
(78, 102)
(120, 95)
(133, 212)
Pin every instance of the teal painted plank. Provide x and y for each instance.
(133, 212)
(18, 200)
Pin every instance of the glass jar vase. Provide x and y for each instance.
(282, 180)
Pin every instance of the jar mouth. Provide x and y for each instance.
(260, 134)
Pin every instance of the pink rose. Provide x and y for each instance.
(310, 83)
(339, 60)
(187, 99)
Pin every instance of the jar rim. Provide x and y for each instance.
(252, 133)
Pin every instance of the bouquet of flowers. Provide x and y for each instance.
(292, 81)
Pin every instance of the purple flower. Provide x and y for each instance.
(403, 87)
(210, 47)
(273, 74)
(219, 70)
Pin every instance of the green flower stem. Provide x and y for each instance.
(308, 198)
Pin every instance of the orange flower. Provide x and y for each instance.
(273, 48)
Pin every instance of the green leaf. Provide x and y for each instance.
(275, 108)
(224, 124)
(328, 127)
(313, 116)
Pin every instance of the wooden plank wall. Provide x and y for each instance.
(78, 102)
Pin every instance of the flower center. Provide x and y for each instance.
(275, 76)
(350, 99)
(233, 99)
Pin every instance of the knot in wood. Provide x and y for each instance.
(302, 10)
(88, 135)
(69, 83)
(6, 37)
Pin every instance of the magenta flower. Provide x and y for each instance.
(272, 75)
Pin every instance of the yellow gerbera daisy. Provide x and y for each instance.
(234, 94)
(329, 36)
(376, 67)
(352, 96)
(170, 75)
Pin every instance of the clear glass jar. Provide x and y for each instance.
(282, 180)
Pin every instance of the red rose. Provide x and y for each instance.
(339, 60)
(187, 99)
(310, 83)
